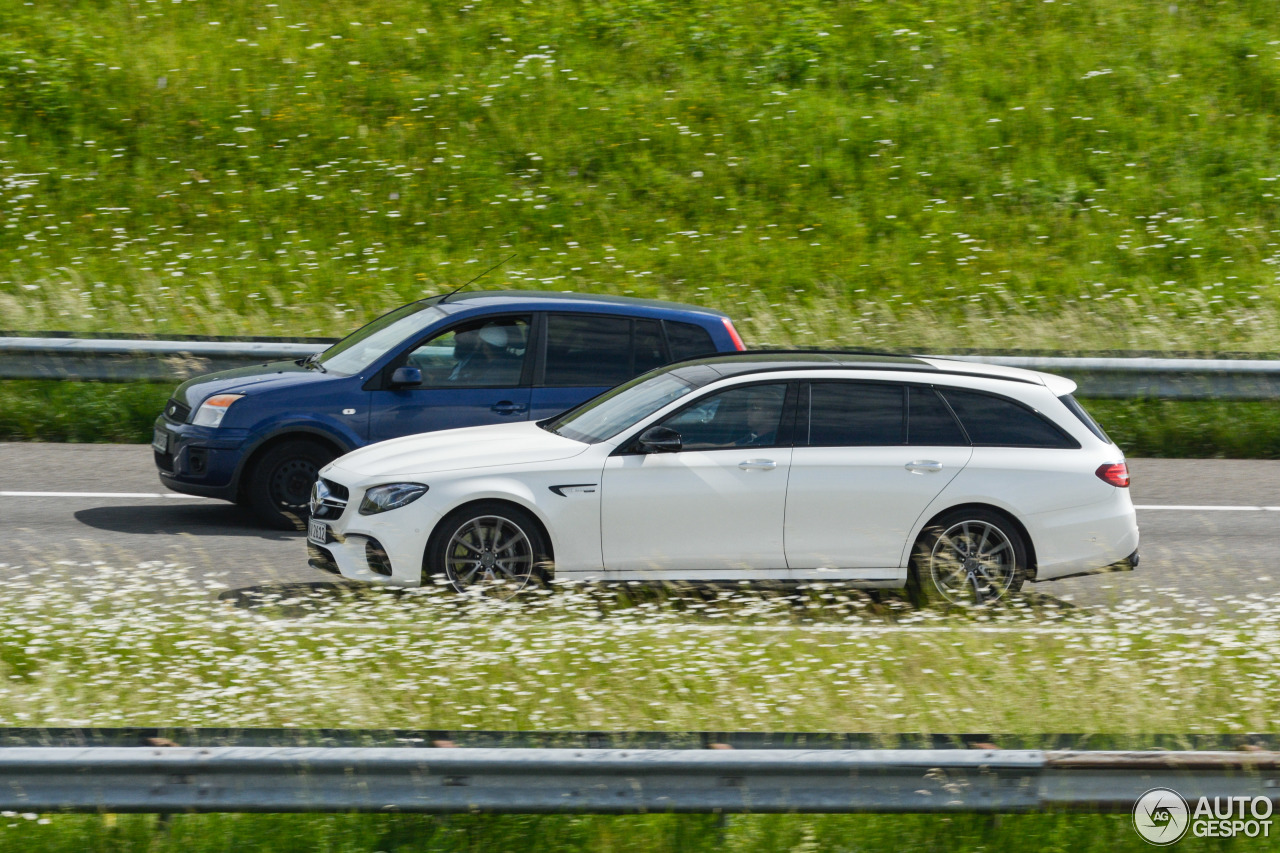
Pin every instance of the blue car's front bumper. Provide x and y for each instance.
(199, 460)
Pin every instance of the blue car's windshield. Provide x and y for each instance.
(614, 411)
(363, 347)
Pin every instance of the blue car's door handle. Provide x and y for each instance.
(506, 407)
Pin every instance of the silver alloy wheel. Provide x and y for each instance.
(492, 553)
(973, 563)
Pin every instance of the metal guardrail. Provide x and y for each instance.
(610, 781)
(149, 361)
(136, 360)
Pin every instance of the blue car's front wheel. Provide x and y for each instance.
(279, 484)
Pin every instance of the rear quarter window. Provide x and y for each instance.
(1078, 410)
(993, 421)
(687, 340)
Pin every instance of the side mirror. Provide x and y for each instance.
(660, 439)
(406, 376)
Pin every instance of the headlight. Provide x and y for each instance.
(391, 496)
(212, 410)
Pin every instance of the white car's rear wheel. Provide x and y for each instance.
(968, 558)
(494, 548)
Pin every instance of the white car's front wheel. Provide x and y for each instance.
(968, 558)
(491, 547)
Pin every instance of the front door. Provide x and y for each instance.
(472, 374)
(713, 507)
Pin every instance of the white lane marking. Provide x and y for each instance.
(1207, 508)
(145, 495)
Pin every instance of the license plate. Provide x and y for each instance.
(160, 441)
(317, 532)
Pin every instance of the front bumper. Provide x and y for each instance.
(387, 548)
(199, 460)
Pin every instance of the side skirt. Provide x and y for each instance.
(865, 578)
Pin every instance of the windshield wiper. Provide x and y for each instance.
(312, 361)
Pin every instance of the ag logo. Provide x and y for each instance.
(1161, 816)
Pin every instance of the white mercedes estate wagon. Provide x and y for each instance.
(958, 481)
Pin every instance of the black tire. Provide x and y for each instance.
(967, 558)
(279, 485)
(493, 547)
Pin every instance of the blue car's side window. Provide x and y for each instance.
(483, 353)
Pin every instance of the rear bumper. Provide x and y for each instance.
(1086, 539)
(1128, 564)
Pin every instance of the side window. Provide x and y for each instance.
(650, 351)
(994, 421)
(739, 417)
(481, 353)
(588, 350)
(688, 340)
(1078, 410)
(856, 414)
(929, 421)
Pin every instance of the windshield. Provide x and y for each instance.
(369, 343)
(614, 411)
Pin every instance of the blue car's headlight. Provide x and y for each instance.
(391, 496)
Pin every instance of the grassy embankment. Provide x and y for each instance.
(1096, 175)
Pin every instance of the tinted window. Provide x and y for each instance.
(688, 340)
(481, 353)
(1078, 410)
(853, 414)
(996, 422)
(650, 351)
(739, 417)
(588, 350)
(930, 421)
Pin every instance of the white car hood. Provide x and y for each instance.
(457, 449)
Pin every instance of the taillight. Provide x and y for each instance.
(733, 335)
(1117, 474)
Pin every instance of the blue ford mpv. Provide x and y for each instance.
(258, 435)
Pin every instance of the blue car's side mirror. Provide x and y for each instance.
(406, 376)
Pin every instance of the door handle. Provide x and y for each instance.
(924, 466)
(506, 407)
(757, 465)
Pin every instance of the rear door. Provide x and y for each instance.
(474, 373)
(869, 458)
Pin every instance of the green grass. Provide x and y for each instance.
(143, 646)
(39, 410)
(1098, 174)
(1191, 429)
(585, 834)
(45, 410)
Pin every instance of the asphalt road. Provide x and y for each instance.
(74, 503)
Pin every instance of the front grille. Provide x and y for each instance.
(176, 412)
(328, 499)
(164, 461)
